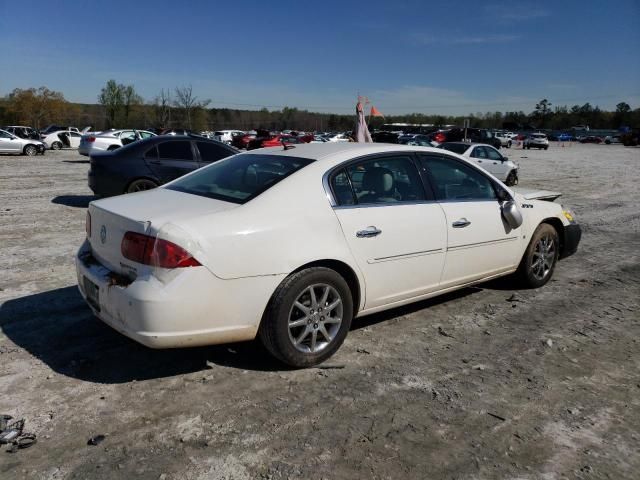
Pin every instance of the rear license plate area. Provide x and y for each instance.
(92, 291)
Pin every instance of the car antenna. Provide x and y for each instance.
(285, 146)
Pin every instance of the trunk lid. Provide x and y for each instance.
(145, 213)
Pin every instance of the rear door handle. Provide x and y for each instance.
(463, 222)
(370, 231)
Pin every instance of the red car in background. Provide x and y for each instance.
(278, 140)
(591, 139)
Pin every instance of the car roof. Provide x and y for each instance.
(337, 151)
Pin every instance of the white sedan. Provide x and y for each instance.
(488, 158)
(291, 244)
(62, 139)
(109, 140)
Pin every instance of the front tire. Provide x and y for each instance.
(308, 317)
(30, 150)
(512, 179)
(540, 258)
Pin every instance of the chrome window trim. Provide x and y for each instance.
(399, 204)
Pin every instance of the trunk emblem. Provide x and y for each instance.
(103, 234)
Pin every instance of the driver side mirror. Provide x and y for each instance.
(511, 214)
(504, 159)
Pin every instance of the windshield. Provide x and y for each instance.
(458, 148)
(240, 178)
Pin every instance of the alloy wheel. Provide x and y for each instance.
(315, 318)
(544, 256)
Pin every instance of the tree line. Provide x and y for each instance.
(120, 106)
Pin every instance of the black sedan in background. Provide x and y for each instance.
(148, 163)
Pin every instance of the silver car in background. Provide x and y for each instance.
(110, 140)
(9, 143)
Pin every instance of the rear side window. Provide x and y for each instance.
(384, 180)
(240, 178)
(454, 180)
(176, 150)
(210, 152)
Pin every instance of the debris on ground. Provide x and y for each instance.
(96, 440)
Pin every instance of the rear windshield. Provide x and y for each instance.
(458, 148)
(239, 178)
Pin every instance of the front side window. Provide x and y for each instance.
(239, 178)
(176, 150)
(493, 154)
(384, 180)
(454, 180)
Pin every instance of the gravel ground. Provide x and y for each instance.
(488, 382)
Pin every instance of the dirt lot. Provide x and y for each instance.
(477, 384)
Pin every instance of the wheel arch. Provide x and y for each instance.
(346, 271)
(24, 149)
(142, 177)
(557, 224)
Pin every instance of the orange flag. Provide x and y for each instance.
(375, 112)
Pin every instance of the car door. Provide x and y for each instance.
(174, 159)
(479, 242)
(12, 143)
(127, 137)
(394, 229)
(210, 152)
(5, 143)
(74, 139)
(496, 163)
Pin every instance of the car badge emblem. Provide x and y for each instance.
(103, 234)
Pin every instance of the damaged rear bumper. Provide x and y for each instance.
(190, 308)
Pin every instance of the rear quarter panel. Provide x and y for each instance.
(288, 226)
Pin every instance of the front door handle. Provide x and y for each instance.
(370, 231)
(155, 162)
(463, 222)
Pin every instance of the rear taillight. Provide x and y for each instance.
(440, 137)
(91, 139)
(155, 251)
(87, 225)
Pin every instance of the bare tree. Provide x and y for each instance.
(162, 109)
(188, 102)
(129, 99)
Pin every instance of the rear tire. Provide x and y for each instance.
(308, 317)
(540, 259)
(56, 146)
(30, 150)
(141, 185)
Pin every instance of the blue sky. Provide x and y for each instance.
(406, 56)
